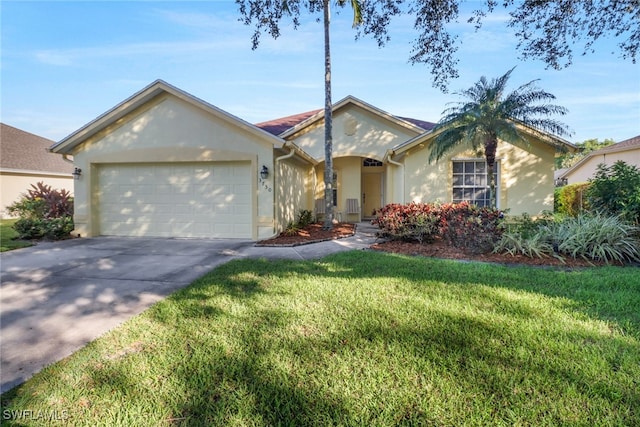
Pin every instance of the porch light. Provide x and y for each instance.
(264, 172)
(76, 173)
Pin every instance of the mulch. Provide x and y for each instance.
(438, 249)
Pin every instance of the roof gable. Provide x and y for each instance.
(25, 151)
(141, 98)
(543, 137)
(311, 118)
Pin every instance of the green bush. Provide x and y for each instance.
(29, 228)
(43, 212)
(571, 199)
(615, 190)
(305, 217)
(591, 237)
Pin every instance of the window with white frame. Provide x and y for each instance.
(470, 182)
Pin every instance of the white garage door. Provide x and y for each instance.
(175, 200)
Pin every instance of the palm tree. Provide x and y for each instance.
(489, 116)
(328, 114)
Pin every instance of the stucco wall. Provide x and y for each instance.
(525, 176)
(356, 132)
(170, 130)
(587, 169)
(14, 184)
(293, 193)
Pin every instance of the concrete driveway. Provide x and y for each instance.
(56, 297)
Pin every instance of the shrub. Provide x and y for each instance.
(463, 225)
(43, 212)
(571, 199)
(305, 217)
(291, 229)
(597, 237)
(411, 222)
(469, 227)
(615, 190)
(591, 237)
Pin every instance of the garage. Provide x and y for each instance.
(208, 199)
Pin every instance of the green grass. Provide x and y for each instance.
(9, 238)
(363, 338)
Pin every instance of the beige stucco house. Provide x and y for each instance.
(627, 151)
(165, 163)
(25, 160)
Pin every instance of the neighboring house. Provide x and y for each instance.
(165, 163)
(585, 169)
(24, 160)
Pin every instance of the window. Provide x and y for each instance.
(371, 163)
(470, 182)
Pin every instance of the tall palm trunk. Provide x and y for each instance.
(490, 149)
(328, 124)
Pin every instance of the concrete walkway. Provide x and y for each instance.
(58, 296)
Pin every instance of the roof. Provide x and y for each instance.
(627, 144)
(278, 126)
(139, 99)
(287, 124)
(25, 151)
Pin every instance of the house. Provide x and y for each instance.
(24, 160)
(585, 169)
(165, 163)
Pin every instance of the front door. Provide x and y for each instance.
(371, 193)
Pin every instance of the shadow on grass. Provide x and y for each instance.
(276, 379)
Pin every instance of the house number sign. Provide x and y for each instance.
(264, 184)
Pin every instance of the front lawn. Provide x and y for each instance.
(362, 338)
(9, 237)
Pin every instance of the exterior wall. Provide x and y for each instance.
(356, 132)
(15, 183)
(349, 182)
(293, 191)
(170, 130)
(587, 169)
(525, 177)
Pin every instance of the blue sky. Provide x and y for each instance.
(63, 63)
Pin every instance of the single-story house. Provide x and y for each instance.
(25, 160)
(165, 163)
(585, 169)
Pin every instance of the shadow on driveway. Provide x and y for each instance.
(58, 296)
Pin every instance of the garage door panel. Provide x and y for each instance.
(164, 200)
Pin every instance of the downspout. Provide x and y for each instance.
(275, 169)
(393, 162)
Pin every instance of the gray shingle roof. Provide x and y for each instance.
(26, 151)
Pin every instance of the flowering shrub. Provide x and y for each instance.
(43, 212)
(463, 225)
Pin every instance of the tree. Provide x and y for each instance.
(490, 115)
(268, 15)
(567, 160)
(549, 36)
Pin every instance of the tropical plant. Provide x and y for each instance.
(490, 116)
(590, 237)
(615, 190)
(43, 212)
